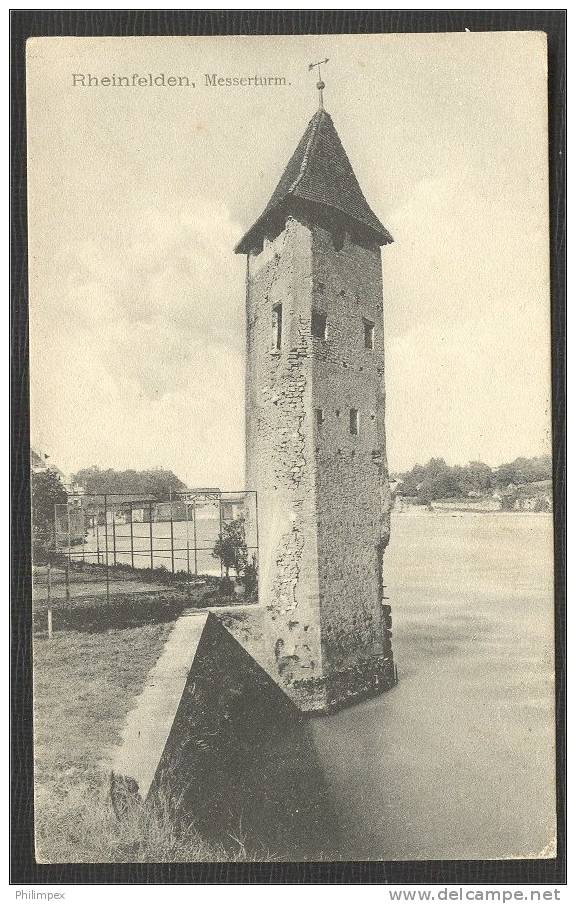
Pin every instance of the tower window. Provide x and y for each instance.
(319, 324)
(338, 239)
(319, 416)
(354, 422)
(368, 334)
(277, 326)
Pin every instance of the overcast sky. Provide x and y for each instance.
(138, 195)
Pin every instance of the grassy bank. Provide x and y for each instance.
(84, 686)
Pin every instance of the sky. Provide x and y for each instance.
(137, 197)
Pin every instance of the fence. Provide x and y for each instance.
(114, 544)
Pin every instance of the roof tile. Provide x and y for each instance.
(319, 171)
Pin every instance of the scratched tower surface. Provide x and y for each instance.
(315, 438)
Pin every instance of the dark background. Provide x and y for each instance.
(85, 23)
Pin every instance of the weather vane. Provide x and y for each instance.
(319, 84)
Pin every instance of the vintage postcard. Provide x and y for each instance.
(291, 448)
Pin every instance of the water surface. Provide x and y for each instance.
(458, 760)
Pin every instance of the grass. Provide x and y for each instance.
(84, 686)
(160, 573)
(135, 596)
(87, 830)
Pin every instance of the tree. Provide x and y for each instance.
(445, 485)
(542, 504)
(47, 491)
(425, 496)
(479, 476)
(509, 500)
(408, 487)
(437, 480)
(156, 482)
(231, 548)
(436, 467)
(525, 470)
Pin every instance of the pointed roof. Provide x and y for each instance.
(319, 171)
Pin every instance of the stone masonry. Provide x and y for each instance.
(315, 440)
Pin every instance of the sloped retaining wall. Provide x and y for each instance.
(237, 758)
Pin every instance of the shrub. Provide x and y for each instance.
(509, 501)
(227, 586)
(125, 611)
(231, 548)
(250, 578)
(47, 491)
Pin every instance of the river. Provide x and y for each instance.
(458, 760)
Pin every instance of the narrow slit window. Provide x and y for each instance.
(319, 324)
(319, 415)
(354, 422)
(338, 239)
(277, 326)
(368, 334)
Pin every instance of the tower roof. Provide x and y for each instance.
(319, 172)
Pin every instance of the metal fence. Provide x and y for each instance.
(113, 544)
(177, 534)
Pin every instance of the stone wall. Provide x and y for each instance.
(240, 759)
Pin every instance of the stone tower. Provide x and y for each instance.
(315, 441)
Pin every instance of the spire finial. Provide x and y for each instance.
(319, 84)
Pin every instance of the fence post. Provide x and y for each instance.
(195, 541)
(48, 597)
(106, 543)
(221, 526)
(171, 533)
(67, 580)
(151, 551)
(114, 534)
(132, 533)
(256, 519)
(97, 519)
(69, 532)
(187, 510)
